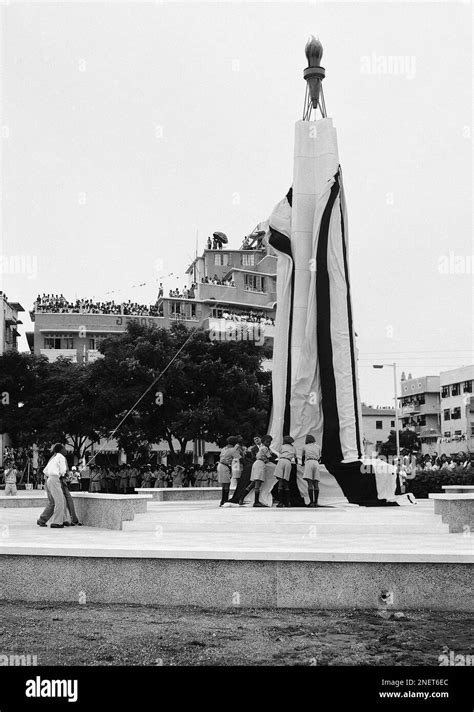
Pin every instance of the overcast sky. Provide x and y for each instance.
(131, 128)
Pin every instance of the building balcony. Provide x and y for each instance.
(54, 354)
(410, 409)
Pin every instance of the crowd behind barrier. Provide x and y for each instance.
(256, 317)
(216, 280)
(116, 479)
(58, 304)
(125, 478)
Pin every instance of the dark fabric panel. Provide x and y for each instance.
(351, 332)
(282, 243)
(359, 487)
(331, 450)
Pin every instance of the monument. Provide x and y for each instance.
(315, 382)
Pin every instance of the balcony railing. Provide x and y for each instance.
(54, 354)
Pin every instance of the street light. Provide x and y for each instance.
(394, 366)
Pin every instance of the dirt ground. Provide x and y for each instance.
(72, 634)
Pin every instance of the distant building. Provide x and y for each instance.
(9, 323)
(9, 334)
(457, 410)
(420, 409)
(441, 410)
(376, 425)
(230, 292)
(224, 287)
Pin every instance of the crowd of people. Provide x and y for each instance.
(125, 479)
(184, 293)
(427, 463)
(259, 464)
(255, 317)
(250, 468)
(216, 280)
(58, 304)
(113, 479)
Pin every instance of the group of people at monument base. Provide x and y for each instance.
(266, 463)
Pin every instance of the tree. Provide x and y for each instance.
(408, 439)
(210, 390)
(47, 402)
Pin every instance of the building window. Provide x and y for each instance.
(58, 342)
(221, 259)
(190, 311)
(254, 283)
(455, 389)
(467, 387)
(422, 420)
(392, 423)
(445, 392)
(472, 430)
(51, 342)
(458, 432)
(456, 414)
(447, 414)
(447, 434)
(183, 311)
(378, 425)
(248, 260)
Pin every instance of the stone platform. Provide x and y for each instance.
(181, 494)
(183, 553)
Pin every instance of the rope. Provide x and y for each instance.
(152, 384)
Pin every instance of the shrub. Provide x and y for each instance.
(430, 482)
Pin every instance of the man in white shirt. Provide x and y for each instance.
(56, 468)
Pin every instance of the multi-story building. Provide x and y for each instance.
(377, 422)
(8, 324)
(9, 334)
(457, 409)
(226, 288)
(223, 286)
(419, 406)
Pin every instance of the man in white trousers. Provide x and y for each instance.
(56, 468)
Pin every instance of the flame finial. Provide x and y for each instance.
(314, 74)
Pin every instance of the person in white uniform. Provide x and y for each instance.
(257, 475)
(310, 460)
(224, 468)
(282, 472)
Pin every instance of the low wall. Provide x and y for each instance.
(231, 584)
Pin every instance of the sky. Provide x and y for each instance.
(132, 131)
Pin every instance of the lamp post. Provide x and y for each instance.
(397, 435)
